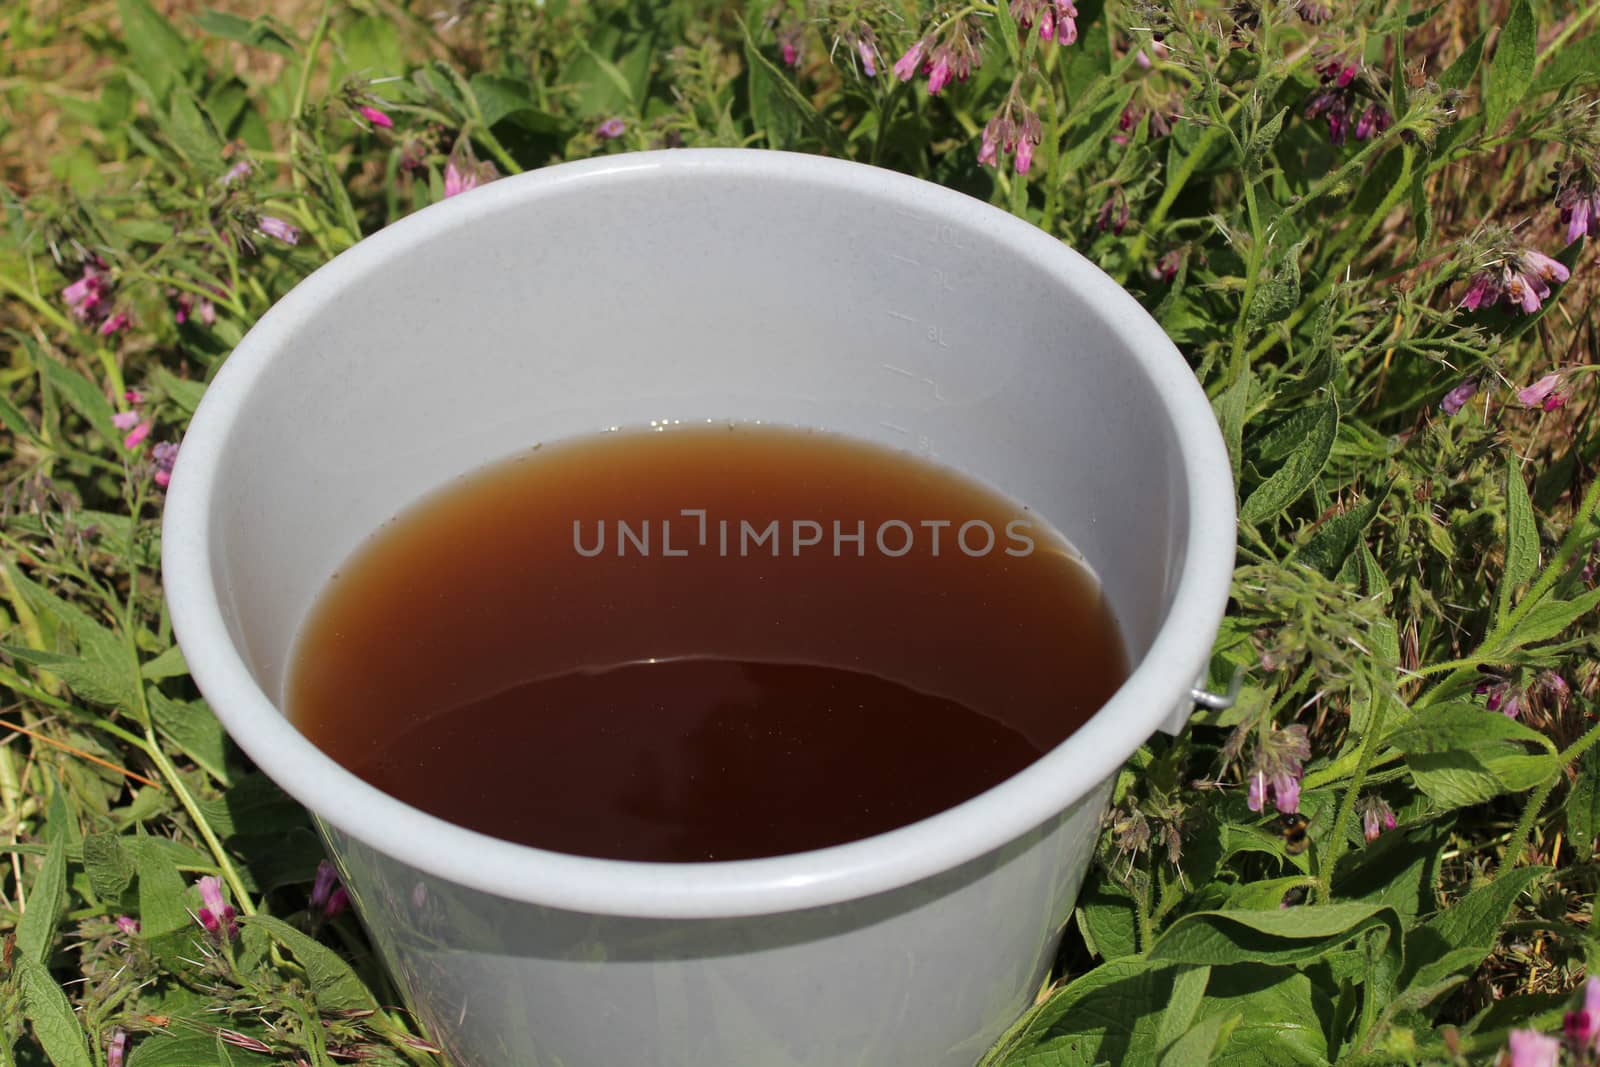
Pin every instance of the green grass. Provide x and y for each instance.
(1406, 575)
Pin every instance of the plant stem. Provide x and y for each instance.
(1519, 837)
(300, 90)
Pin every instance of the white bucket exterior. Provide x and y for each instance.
(688, 286)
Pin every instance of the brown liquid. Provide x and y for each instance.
(727, 703)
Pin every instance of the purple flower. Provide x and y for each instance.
(1277, 767)
(1066, 23)
(938, 75)
(868, 63)
(273, 226)
(377, 117)
(185, 307)
(165, 456)
(610, 129)
(1529, 1048)
(1457, 398)
(1538, 265)
(119, 321)
(905, 68)
(238, 172)
(1376, 817)
(86, 296)
(1578, 203)
(125, 420)
(128, 924)
(1539, 393)
(1113, 214)
(327, 878)
(338, 900)
(116, 1047)
(216, 914)
(1482, 292)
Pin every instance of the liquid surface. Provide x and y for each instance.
(660, 686)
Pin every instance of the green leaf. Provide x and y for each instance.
(183, 392)
(1549, 619)
(1398, 870)
(1200, 1042)
(1577, 62)
(193, 1050)
(194, 729)
(1108, 921)
(254, 805)
(1334, 540)
(1231, 408)
(1188, 990)
(1293, 935)
(334, 984)
(501, 99)
(108, 865)
(1089, 142)
(1522, 541)
(1268, 893)
(1109, 1015)
(170, 664)
(83, 397)
(1458, 75)
(1277, 297)
(1511, 71)
(91, 681)
(48, 1010)
(1289, 481)
(1473, 922)
(47, 899)
(1461, 754)
(15, 421)
(264, 32)
(1261, 142)
(192, 134)
(163, 904)
(784, 108)
(1282, 1016)
(1583, 805)
(158, 51)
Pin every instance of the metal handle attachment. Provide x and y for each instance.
(1213, 702)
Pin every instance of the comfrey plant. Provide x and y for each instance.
(1369, 227)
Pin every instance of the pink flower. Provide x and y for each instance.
(1024, 158)
(989, 147)
(377, 117)
(1277, 766)
(869, 64)
(791, 53)
(138, 434)
(128, 924)
(85, 296)
(273, 226)
(216, 914)
(1066, 24)
(119, 321)
(939, 75)
(1578, 203)
(1376, 817)
(125, 420)
(1529, 1048)
(116, 1047)
(165, 456)
(905, 68)
(1483, 292)
(466, 173)
(133, 396)
(1538, 394)
(610, 129)
(338, 900)
(1538, 265)
(1457, 398)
